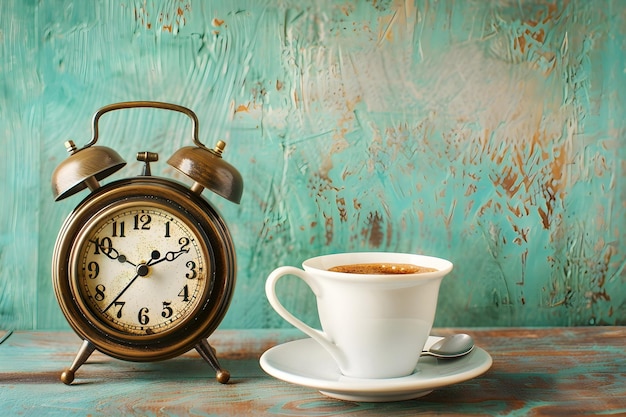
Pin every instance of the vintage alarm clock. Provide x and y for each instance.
(144, 267)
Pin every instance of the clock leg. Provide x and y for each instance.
(83, 354)
(208, 354)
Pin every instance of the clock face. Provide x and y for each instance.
(141, 269)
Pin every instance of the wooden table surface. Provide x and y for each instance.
(535, 372)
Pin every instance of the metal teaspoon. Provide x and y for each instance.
(450, 347)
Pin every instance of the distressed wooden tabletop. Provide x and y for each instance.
(535, 371)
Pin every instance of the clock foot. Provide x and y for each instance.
(67, 377)
(208, 354)
(222, 376)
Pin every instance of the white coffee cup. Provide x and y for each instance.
(373, 325)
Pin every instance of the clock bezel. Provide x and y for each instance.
(213, 236)
(95, 222)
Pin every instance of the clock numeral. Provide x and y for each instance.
(94, 270)
(105, 245)
(118, 227)
(184, 244)
(184, 293)
(192, 270)
(119, 304)
(167, 310)
(142, 317)
(100, 289)
(142, 222)
(167, 229)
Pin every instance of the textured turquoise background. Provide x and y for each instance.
(491, 133)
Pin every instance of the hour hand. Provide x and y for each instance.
(169, 256)
(110, 252)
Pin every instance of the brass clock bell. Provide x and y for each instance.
(144, 267)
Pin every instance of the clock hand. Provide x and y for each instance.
(142, 271)
(111, 253)
(143, 268)
(169, 256)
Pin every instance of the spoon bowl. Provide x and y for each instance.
(450, 347)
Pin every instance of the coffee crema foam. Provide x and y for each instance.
(381, 269)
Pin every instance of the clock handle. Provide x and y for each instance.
(145, 104)
(203, 165)
(208, 354)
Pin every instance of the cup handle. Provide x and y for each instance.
(270, 292)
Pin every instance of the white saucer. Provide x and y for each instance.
(305, 362)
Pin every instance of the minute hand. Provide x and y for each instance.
(137, 275)
(143, 269)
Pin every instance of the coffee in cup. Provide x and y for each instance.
(381, 268)
(374, 323)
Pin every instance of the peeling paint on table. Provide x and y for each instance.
(535, 371)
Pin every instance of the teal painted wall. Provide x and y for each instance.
(491, 133)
